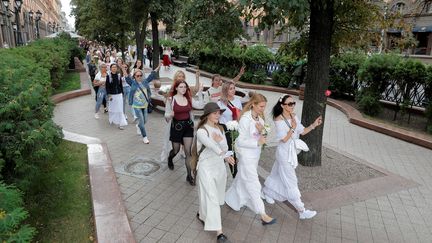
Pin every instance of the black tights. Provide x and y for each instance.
(187, 146)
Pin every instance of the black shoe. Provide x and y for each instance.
(170, 163)
(268, 223)
(191, 180)
(222, 238)
(202, 221)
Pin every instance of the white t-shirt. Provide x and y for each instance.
(226, 116)
(213, 94)
(100, 79)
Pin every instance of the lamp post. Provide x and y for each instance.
(38, 18)
(31, 29)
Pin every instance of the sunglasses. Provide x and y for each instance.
(138, 76)
(290, 104)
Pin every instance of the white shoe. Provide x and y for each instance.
(307, 214)
(96, 115)
(145, 140)
(126, 117)
(121, 127)
(138, 129)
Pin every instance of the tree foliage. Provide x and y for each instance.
(212, 24)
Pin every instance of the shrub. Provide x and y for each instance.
(28, 136)
(12, 215)
(259, 77)
(368, 101)
(281, 78)
(343, 73)
(377, 71)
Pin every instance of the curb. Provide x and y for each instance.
(110, 216)
(354, 116)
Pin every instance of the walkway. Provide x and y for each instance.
(162, 206)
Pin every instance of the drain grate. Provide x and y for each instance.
(141, 166)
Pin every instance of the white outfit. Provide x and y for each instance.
(115, 110)
(282, 184)
(246, 187)
(212, 94)
(226, 116)
(211, 177)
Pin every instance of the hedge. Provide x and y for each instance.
(28, 136)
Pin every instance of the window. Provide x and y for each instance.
(398, 7)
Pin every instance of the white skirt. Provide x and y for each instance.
(282, 184)
(246, 187)
(211, 180)
(115, 110)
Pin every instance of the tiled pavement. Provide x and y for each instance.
(162, 207)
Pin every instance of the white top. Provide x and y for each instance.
(100, 79)
(247, 141)
(226, 116)
(213, 94)
(212, 148)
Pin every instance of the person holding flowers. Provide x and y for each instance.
(246, 187)
(233, 107)
(211, 170)
(282, 185)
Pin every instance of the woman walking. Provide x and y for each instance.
(139, 98)
(282, 183)
(246, 188)
(114, 89)
(178, 111)
(233, 107)
(99, 82)
(211, 170)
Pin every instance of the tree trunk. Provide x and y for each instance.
(140, 35)
(319, 50)
(155, 35)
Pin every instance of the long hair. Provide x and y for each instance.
(187, 94)
(135, 66)
(177, 74)
(255, 100)
(214, 77)
(225, 90)
(203, 121)
(277, 108)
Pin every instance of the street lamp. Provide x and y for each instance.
(38, 18)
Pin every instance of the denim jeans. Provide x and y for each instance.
(101, 96)
(141, 113)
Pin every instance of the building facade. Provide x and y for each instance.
(417, 16)
(33, 19)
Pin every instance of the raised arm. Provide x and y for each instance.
(237, 78)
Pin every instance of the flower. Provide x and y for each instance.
(165, 88)
(327, 93)
(266, 130)
(232, 125)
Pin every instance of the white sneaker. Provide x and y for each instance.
(307, 214)
(96, 115)
(145, 140)
(126, 117)
(138, 129)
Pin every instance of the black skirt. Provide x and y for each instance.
(180, 129)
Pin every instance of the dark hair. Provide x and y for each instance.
(277, 108)
(142, 65)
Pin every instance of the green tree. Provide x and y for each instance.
(209, 24)
(322, 20)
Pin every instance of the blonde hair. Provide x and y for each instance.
(225, 90)
(255, 100)
(177, 74)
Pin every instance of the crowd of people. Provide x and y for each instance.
(121, 86)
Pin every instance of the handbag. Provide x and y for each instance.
(235, 111)
(299, 144)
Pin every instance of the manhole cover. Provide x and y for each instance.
(141, 166)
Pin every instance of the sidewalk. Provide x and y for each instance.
(162, 206)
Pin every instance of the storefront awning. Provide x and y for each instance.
(427, 28)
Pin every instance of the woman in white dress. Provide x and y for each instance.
(246, 187)
(233, 107)
(282, 185)
(211, 170)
